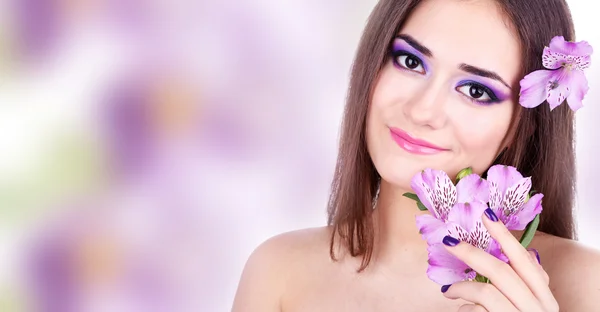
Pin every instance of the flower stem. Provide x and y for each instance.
(530, 231)
(482, 279)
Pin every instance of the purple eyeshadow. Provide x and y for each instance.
(402, 46)
(497, 96)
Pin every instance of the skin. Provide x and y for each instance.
(293, 271)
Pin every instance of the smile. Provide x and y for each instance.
(414, 145)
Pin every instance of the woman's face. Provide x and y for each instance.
(444, 99)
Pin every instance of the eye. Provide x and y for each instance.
(477, 92)
(409, 62)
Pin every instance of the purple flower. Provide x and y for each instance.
(437, 192)
(464, 223)
(564, 79)
(509, 197)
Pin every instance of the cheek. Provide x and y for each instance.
(382, 93)
(380, 98)
(390, 93)
(480, 139)
(383, 106)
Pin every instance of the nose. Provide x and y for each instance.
(427, 106)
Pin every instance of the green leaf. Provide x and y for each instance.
(530, 231)
(416, 198)
(463, 173)
(412, 196)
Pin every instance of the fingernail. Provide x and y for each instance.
(450, 241)
(537, 255)
(445, 288)
(491, 215)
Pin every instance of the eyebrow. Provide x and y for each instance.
(464, 67)
(483, 73)
(415, 44)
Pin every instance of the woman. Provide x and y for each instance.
(435, 84)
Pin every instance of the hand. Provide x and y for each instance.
(520, 285)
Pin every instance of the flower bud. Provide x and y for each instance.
(463, 173)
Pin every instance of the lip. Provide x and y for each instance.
(414, 145)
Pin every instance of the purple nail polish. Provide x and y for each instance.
(445, 288)
(450, 241)
(537, 255)
(491, 215)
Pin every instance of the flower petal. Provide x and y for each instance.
(579, 88)
(532, 208)
(552, 59)
(555, 60)
(495, 250)
(496, 197)
(503, 176)
(511, 222)
(429, 176)
(445, 194)
(467, 215)
(423, 185)
(480, 237)
(458, 232)
(473, 188)
(581, 48)
(444, 268)
(558, 88)
(580, 62)
(433, 230)
(515, 196)
(533, 88)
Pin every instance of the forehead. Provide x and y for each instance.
(471, 32)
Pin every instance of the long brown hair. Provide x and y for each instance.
(541, 142)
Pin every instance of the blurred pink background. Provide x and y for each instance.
(147, 147)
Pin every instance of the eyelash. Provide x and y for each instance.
(492, 96)
(399, 53)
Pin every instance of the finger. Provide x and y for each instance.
(471, 308)
(520, 261)
(500, 273)
(486, 295)
(535, 256)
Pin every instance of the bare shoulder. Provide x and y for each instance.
(574, 271)
(275, 262)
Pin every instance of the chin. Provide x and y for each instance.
(398, 172)
(398, 182)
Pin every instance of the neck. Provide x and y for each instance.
(397, 239)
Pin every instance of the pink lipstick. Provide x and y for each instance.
(414, 145)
